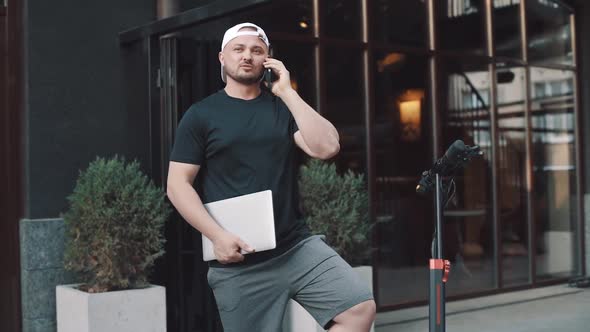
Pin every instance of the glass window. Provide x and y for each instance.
(554, 171)
(549, 33)
(507, 28)
(296, 17)
(460, 25)
(299, 61)
(401, 152)
(465, 115)
(344, 105)
(511, 95)
(391, 22)
(342, 19)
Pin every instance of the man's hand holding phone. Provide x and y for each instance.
(282, 84)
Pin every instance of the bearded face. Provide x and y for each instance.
(245, 73)
(242, 59)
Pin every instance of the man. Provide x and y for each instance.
(245, 140)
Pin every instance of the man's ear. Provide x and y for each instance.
(220, 56)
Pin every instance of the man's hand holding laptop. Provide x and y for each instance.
(246, 225)
(228, 248)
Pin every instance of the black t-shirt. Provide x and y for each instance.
(245, 146)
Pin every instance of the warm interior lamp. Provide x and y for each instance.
(410, 114)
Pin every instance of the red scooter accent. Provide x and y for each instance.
(441, 264)
(446, 271)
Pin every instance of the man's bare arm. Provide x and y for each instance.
(186, 200)
(316, 135)
(188, 203)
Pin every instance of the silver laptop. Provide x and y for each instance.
(248, 216)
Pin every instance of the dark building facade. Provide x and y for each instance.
(401, 80)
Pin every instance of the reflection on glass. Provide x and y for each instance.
(549, 35)
(507, 28)
(468, 221)
(342, 19)
(460, 26)
(511, 94)
(401, 152)
(554, 168)
(392, 24)
(296, 16)
(299, 60)
(344, 106)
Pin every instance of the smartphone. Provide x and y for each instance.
(269, 76)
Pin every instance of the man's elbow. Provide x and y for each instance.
(170, 189)
(329, 151)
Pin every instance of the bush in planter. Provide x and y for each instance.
(337, 206)
(114, 226)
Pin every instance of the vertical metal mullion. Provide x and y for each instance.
(165, 99)
(317, 55)
(153, 50)
(369, 122)
(166, 126)
(530, 185)
(432, 75)
(497, 227)
(580, 255)
(171, 113)
(169, 109)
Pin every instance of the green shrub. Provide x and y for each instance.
(114, 226)
(337, 206)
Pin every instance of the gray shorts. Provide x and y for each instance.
(254, 298)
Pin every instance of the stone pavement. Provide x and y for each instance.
(555, 308)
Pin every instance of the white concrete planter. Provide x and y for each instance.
(120, 311)
(297, 319)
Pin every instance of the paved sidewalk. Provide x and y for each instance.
(556, 308)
